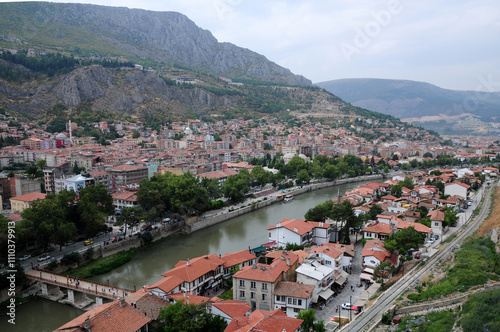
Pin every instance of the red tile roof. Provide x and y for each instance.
(109, 317)
(233, 308)
(195, 268)
(231, 259)
(294, 289)
(299, 226)
(31, 197)
(260, 320)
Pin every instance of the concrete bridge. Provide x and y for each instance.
(77, 289)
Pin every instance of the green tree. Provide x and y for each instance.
(320, 212)
(235, 187)
(344, 214)
(383, 271)
(136, 133)
(308, 316)
(49, 221)
(303, 177)
(403, 240)
(260, 176)
(129, 216)
(94, 205)
(179, 317)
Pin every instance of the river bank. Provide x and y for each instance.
(257, 203)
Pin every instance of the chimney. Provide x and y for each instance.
(122, 302)
(249, 250)
(187, 300)
(86, 323)
(187, 263)
(288, 261)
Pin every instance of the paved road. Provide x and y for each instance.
(347, 295)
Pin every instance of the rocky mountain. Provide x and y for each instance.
(443, 110)
(165, 37)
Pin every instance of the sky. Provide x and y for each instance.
(452, 44)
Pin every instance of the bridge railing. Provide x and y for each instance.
(93, 287)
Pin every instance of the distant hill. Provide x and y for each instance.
(146, 36)
(443, 110)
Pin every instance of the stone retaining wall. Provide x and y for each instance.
(223, 216)
(445, 302)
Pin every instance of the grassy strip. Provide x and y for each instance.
(102, 264)
(105, 264)
(440, 321)
(475, 264)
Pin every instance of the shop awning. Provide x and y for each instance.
(315, 298)
(344, 274)
(258, 249)
(365, 276)
(368, 270)
(340, 281)
(326, 294)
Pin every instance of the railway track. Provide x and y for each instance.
(366, 320)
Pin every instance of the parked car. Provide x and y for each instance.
(346, 306)
(69, 243)
(417, 255)
(88, 242)
(466, 207)
(436, 237)
(44, 258)
(431, 240)
(469, 203)
(25, 257)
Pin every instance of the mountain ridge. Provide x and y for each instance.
(421, 103)
(168, 37)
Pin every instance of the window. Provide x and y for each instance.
(436, 224)
(300, 302)
(296, 309)
(252, 295)
(264, 286)
(289, 300)
(328, 262)
(269, 234)
(278, 298)
(294, 301)
(242, 294)
(242, 283)
(264, 297)
(252, 284)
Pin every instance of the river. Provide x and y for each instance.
(248, 230)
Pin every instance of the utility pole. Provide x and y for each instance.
(340, 322)
(350, 310)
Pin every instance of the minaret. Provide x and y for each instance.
(70, 133)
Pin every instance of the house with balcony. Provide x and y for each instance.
(237, 260)
(199, 274)
(378, 230)
(291, 297)
(300, 231)
(312, 272)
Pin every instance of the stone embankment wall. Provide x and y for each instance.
(134, 241)
(260, 203)
(428, 307)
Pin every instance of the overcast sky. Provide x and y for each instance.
(453, 44)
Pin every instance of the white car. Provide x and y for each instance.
(44, 258)
(431, 240)
(346, 306)
(25, 257)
